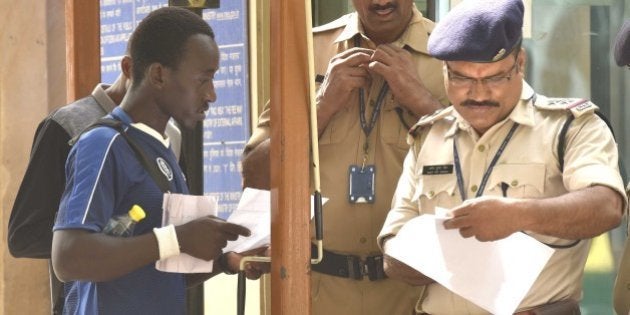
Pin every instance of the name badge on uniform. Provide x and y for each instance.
(361, 182)
(437, 169)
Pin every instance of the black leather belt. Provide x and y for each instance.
(349, 266)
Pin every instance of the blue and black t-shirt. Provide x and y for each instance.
(104, 179)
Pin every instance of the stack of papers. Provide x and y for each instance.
(494, 275)
(180, 209)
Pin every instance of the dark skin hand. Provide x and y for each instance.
(396, 66)
(83, 255)
(346, 73)
(195, 239)
(253, 270)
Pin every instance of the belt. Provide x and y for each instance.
(349, 266)
(564, 307)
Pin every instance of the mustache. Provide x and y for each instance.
(383, 7)
(482, 103)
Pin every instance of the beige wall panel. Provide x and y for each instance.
(31, 83)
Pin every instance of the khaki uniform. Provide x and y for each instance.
(353, 228)
(529, 165)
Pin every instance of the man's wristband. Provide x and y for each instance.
(168, 245)
(223, 263)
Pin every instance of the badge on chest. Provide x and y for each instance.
(361, 183)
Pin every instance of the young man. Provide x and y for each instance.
(37, 201)
(378, 52)
(174, 58)
(500, 174)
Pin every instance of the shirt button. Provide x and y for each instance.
(481, 148)
(474, 188)
(363, 240)
(514, 183)
(372, 103)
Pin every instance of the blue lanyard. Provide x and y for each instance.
(486, 175)
(367, 128)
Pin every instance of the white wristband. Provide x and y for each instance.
(167, 241)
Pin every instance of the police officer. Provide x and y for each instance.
(375, 79)
(492, 159)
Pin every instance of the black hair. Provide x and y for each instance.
(161, 36)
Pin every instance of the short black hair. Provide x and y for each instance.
(161, 37)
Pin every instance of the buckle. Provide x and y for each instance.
(372, 267)
(355, 267)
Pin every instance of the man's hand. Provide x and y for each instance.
(485, 218)
(396, 269)
(396, 66)
(347, 72)
(205, 237)
(253, 270)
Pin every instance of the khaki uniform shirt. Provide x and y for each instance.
(353, 228)
(529, 165)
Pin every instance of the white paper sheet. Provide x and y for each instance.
(253, 212)
(494, 275)
(179, 209)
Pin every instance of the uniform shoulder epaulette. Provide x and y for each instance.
(429, 119)
(577, 106)
(340, 22)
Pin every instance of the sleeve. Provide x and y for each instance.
(404, 208)
(262, 130)
(37, 200)
(95, 171)
(592, 156)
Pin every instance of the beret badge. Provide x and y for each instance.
(499, 55)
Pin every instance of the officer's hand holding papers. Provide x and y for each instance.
(494, 275)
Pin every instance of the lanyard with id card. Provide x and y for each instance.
(361, 178)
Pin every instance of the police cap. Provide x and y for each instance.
(478, 31)
(622, 45)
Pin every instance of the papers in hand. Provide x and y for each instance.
(494, 275)
(180, 209)
(253, 212)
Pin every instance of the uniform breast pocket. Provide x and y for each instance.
(436, 191)
(339, 127)
(518, 180)
(393, 131)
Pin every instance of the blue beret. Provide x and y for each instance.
(622, 45)
(478, 31)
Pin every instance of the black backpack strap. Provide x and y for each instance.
(562, 145)
(562, 139)
(152, 168)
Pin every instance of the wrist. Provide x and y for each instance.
(224, 264)
(168, 244)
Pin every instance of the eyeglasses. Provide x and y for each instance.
(495, 81)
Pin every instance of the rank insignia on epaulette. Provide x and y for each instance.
(579, 105)
(430, 118)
